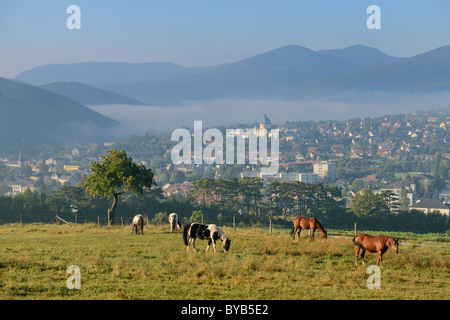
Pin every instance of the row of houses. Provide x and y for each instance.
(432, 205)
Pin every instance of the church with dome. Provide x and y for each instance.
(264, 124)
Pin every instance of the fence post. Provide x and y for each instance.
(234, 222)
(270, 226)
(98, 221)
(355, 229)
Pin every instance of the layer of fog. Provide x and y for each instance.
(229, 112)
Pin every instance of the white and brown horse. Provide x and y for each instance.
(138, 224)
(174, 222)
(378, 244)
(209, 232)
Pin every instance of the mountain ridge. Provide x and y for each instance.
(33, 115)
(295, 72)
(94, 73)
(88, 95)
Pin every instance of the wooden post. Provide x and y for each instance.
(355, 229)
(270, 226)
(122, 221)
(234, 222)
(62, 219)
(98, 221)
(202, 219)
(76, 219)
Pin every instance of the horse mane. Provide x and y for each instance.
(320, 226)
(222, 234)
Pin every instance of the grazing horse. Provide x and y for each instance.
(307, 223)
(370, 243)
(209, 232)
(174, 222)
(138, 224)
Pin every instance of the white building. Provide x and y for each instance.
(309, 177)
(431, 205)
(326, 169)
(280, 177)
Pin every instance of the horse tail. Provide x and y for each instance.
(356, 243)
(185, 234)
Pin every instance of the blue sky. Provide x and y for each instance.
(208, 32)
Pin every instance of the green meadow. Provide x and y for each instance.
(116, 265)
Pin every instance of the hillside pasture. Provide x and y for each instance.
(116, 265)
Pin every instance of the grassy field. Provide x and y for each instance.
(115, 265)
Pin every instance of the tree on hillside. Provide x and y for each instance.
(202, 191)
(250, 190)
(367, 203)
(117, 174)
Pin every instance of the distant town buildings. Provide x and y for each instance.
(310, 152)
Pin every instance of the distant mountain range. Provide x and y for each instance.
(88, 95)
(32, 115)
(105, 73)
(48, 103)
(290, 72)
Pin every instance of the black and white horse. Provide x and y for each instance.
(209, 232)
(174, 222)
(138, 224)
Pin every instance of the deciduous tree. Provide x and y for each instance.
(115, 175)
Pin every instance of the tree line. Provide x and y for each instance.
(213, 201)
(209, 200)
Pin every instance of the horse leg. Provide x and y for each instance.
(299, 230)
(193, 245)
(209, 244)
(312, 233)
(362, 255)
(380, 259)
(357, 248)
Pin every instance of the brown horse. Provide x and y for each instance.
(370, 243)
(307, 223)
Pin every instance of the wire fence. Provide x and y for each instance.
(237, 221)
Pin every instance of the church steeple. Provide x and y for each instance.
(19, 163)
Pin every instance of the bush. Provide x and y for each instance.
(196, 216)
(160, 218)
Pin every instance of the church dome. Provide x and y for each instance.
(265, 123)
